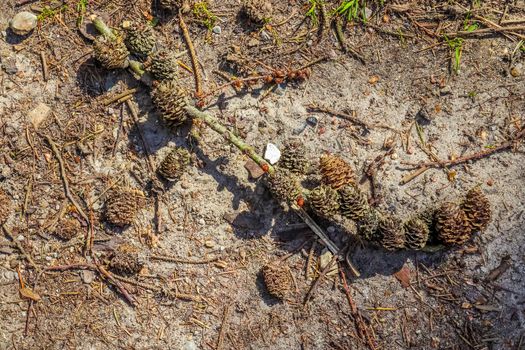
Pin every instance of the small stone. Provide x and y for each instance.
(23, 23)
(312, 121)
(446, 90)
(272, 153)
(39, 114)
(209, 244)
(9, 65)
(254, 169)
(516, 71)
(190, 345)
(217, 30)
(87, 276)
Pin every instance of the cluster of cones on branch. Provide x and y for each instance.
(451, 223)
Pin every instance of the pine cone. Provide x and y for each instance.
(284, 186)
(367, 227)
(174, 6)
(335, 171)
(172, 167)
(123, 205)
(68, 229)
(354, 204)
(324, 201)
(5, 207)
(278, 280)
(477, 208)
(111, 54)
(452, 225)
(169, 99)
(392, 233)
(140, 39)
(125, 260)
(163, 65)
(416, 233)
(257, 11)
(294, 158)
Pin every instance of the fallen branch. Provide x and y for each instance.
(471, 157)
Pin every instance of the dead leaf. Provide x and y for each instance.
(403, 276)
(28, 293)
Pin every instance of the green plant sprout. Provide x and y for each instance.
(456, 46)
(81, 10)
(352, 10)
(48, 12)
(313, 10)
(204, 15)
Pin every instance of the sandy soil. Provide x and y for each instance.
(471, 297)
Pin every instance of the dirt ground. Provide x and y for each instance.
(471, 297)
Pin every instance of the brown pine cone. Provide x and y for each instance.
(477, 208)
(140, 38)
(336, 172)
(68, 228)
(294, 158)
(163, 65)
(5, 207)
(354, 204)
(173, 166)
(257, 11)
(278, 280)
(452, 226)
(125, 260)
(174, 6)
(367, 227)
(392, 233)
(324, 201)
(123, 205)
(169, 98)
(284, 186)
(416, 233)
(111, 54)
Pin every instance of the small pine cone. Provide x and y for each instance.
(354, 204)
(5, 207)
(416, 233)
(294, 158)
(111, 54)
(477, 208)
(125, 260)
(257, 11)
(163, 65)
(68, 229)
(335, 171)
(324, 201)
(140, 39)
(172, 167)
(392, 233)
(174, 6)
(123, 205)
(278, 280)
(367, 226)
(169, 99)
(452, 225)
(284, 186)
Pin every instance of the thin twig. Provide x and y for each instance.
(224, 328)
(64, 178)
(19, 246)
(318, 280)
(135, 117)
(117, 97)
(193, 56)
(174, 259)
(471, 157)
(316, 108)
(45, 69)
